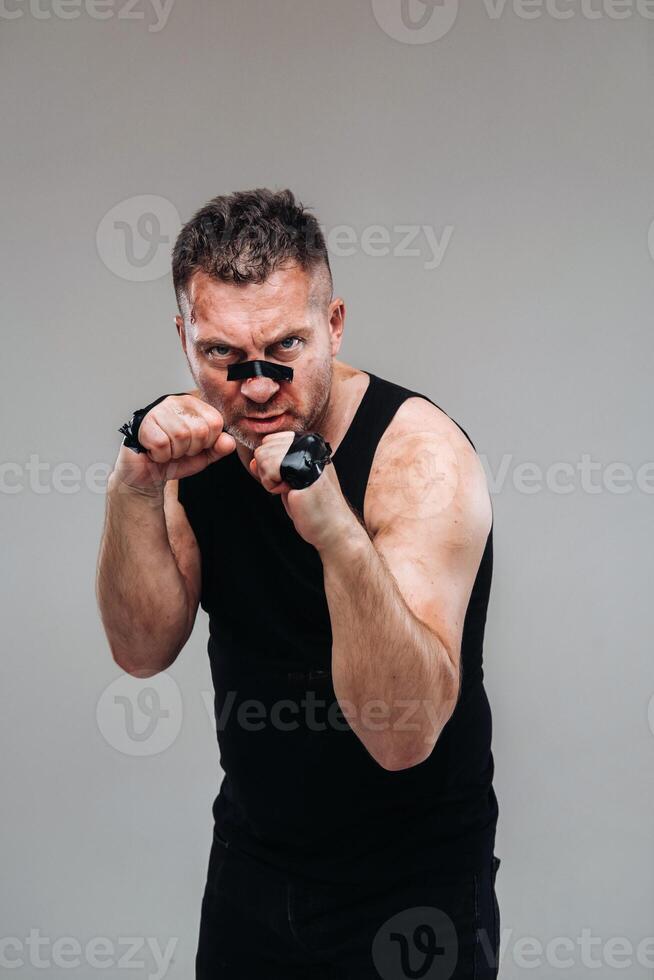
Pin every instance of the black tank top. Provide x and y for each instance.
(300, 791)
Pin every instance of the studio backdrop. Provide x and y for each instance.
(483, 174)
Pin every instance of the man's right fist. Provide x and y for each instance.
(182, 435)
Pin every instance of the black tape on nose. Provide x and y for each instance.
(259, 369)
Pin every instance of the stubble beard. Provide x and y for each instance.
(310, 421)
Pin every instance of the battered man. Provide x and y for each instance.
(355, 823)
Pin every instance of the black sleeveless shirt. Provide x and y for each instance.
(300, 791)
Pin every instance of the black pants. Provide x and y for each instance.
(260, 924)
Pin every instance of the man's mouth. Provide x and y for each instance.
(264, 421)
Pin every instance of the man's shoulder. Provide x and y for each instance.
(423, 464)
(418, 415)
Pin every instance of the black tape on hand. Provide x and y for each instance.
(131, 429)
(259, 369)
(305, 460)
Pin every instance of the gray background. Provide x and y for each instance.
(531, 139)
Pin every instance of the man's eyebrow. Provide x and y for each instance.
(205, 342)
(211, 341)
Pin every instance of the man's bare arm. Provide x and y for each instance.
(397, 602)
(148, 578)
(148, 574)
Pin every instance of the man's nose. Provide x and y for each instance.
(259, 389)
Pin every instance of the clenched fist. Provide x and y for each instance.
(183, 435)
(320, 513)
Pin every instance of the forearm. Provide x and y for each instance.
(140, 591)
(392, 676)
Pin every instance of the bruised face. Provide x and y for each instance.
(288, 319)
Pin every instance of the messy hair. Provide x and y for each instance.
(245, 236)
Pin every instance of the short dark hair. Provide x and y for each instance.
(245, 236)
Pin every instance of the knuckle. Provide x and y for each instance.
(180, 433)
(214, 423)
(154, 440)
(179, 426)
(202, 428)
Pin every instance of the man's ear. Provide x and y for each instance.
(181, 331)
(336, 314)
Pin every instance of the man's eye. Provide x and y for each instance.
(222, 350)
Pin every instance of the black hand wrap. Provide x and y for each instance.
(131, 429)
(305, 460)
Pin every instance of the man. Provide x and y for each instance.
(355, 824)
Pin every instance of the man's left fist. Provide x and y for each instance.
(319, 512)
(267, 461)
